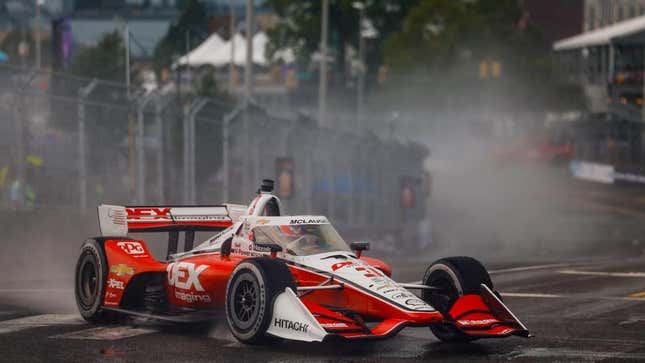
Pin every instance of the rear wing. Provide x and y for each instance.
(117, 221)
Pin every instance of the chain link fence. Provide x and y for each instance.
(70, 142)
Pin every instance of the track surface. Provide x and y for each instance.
(578, 311)
(567, 257)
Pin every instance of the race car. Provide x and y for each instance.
(275, 277)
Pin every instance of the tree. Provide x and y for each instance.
(300, 28)
(104, 61)
(192, 20)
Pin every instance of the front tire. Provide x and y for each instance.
(455, 276)
(250, 294)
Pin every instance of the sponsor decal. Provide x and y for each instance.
(415, 302)
(379, 280)
(122, 270)
(385, 286)
(117, 216)
(185, 275)
(339, 265)
(246, 253)
(262, 221)
(308, 221)
(260, 248)
(116, 284)
(291, 325)
(388, 291)
(334, 325)
(367, 271)
(477, 322)
(132, 248)
(402, 295)
(191, 297)
(110, 295)
(148, 213)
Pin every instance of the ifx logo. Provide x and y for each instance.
(185, 275)
(148, 213)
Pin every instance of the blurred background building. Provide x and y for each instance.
(600, 13)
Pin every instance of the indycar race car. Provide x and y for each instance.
(275, 276)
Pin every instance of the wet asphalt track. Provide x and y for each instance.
(578, 311)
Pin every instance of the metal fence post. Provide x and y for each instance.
(161, 151)
(20, 143)
(226, 121)
(189, 150)
(186, 157)
(83, 93)
(141, 156)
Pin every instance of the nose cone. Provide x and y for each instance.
(372, 281)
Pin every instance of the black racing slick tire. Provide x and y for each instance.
(454, 276)
(250, 294)
(90, 280)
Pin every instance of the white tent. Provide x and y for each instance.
(602, 36)
(202, 53)
(217, 53)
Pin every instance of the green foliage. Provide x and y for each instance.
(207, 85)
(11, 41)
(434, 32)
(300, 28)
(104, 61)
(193, 19)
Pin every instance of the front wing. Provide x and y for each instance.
(480, 316)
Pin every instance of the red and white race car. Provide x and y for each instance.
(275, 276)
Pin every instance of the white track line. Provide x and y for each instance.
(106, 333)
(30, 291)
(528, 268)
(601, 273)
(15, 325)
(527, 294)
(515, 269)
(578, 297)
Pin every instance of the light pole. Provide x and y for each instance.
(126, 42)
(360, 89)
(83, 93)
(231, 66)
(322, 84)
(122, 25)
(39, 3)
(248, 67)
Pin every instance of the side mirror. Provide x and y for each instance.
(225, 249)
(359, 247)
(272, 247)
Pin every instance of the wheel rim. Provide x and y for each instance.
(245, 301)
(88, 282)
(446, 293)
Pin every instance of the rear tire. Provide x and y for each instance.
(250, 294)
(456, 276)
(90, 277)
